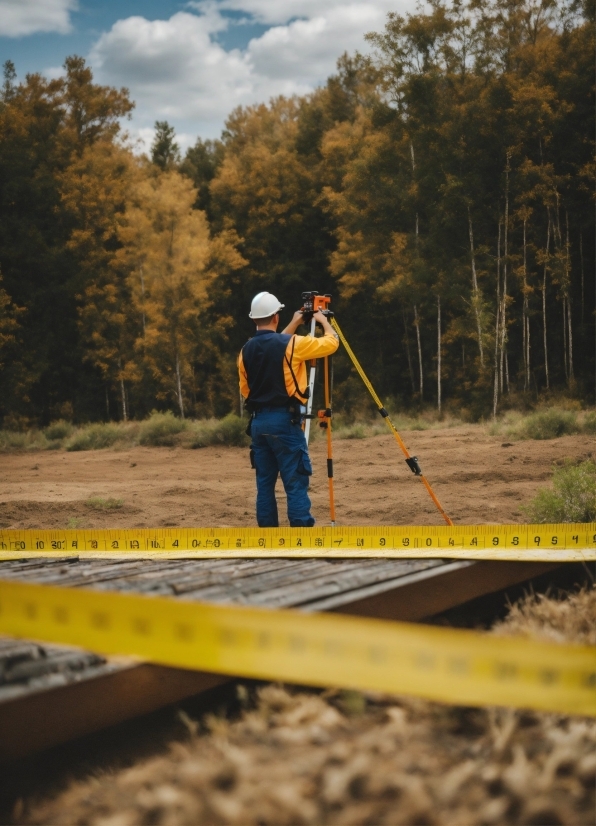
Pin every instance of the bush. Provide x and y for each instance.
(230, 431)
(58, 430)
(589, 423)
(160, 429)
(31, 440)
(546, 424)
(571, 499)
(354, 431)
(95, 437)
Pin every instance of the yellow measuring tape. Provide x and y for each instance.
(568, 542)
(454, 666)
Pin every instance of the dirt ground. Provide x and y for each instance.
(478, 478)
(299, 757)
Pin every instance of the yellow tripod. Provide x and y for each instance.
(411, 461)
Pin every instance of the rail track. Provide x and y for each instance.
(50, 695)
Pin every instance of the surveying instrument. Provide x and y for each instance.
(312, 303)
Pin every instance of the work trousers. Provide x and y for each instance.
(280, 449)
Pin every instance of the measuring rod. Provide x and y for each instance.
(565, 542)
(445, 664)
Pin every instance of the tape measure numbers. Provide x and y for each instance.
(567, 542)
(455, 666)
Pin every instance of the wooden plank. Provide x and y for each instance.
(42, 719)
(391, 589)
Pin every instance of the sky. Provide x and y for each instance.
(191, 63)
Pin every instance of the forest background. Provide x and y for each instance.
(442, 190)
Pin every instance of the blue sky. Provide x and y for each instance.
(191, 63)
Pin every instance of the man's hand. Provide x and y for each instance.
(324, 322)
(296, 321)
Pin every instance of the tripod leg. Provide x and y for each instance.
(328, 415)
(311, 385)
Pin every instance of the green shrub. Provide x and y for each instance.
(95, 437)
(589, 423)
(160, 429)
(546, 424)
(353, 431)
(31, 440)
(230, 431)
(100, 504)
(75, 523)
(58, 430)
(572, 497)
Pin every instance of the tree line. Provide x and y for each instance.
(441, 189)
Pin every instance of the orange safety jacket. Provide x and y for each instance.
(298, 351)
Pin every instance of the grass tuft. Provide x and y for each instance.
(229, 431)
(572, 497)
(75, 522)
(59, 430)
(98, 503)
(547, 424)
(544, 424)
(31, 440)
(96, 437)
(352, 431)
(161, 429)
(589, 423)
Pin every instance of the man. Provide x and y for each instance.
(274, 383)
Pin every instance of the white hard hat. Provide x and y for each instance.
(264, 305)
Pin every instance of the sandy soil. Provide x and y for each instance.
(477, 477)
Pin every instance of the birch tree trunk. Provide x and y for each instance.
(409, 355)
(525, 314)
(122, 393)
(179, 387)
(568, 287)
(475, 291)
(142, 299)
(123, 397)
(565, 353)
(544, 305)
(439, 353)
(497, 326)
(417, 227)
(581, 264)
(417, 323)
(505, 268)
(570, 340)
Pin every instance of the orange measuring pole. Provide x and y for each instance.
(325, 417)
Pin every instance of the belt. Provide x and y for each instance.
(272, 408)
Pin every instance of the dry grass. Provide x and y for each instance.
(300, 757)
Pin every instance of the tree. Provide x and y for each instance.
(45, 125)
(171, 260)
(165, 152)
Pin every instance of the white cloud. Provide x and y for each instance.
(173, 68)
(178, 71)
(23, 17)
(272, 12)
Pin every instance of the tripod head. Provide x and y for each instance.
(313, 303)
